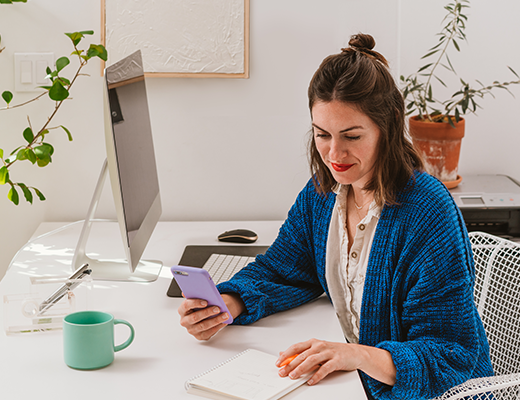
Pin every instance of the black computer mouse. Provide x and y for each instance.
(238, 236)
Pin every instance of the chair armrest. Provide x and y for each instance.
(480, 388)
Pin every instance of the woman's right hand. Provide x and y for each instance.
(196, 315)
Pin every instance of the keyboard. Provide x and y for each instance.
(222, 267)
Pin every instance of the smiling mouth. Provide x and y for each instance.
(341, 167)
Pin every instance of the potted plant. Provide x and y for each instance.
(35, 147)
(437, 127)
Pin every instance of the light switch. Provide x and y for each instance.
(30, 71)
(41, 72)
(26, 71)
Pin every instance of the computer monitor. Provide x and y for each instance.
(133, 175)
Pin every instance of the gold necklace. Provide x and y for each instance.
(359, 207)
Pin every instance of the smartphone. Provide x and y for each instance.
(196, 283)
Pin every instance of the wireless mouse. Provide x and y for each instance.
(238, 236)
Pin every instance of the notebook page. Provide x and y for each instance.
(251, 375)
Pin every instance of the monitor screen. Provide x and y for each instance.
(133, 174)
(134, 153)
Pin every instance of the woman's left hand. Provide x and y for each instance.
(327, 357)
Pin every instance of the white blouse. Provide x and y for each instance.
(345, 272)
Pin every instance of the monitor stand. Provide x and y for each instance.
(112, 269)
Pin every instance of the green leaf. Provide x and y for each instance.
(513, 71)
(429, 54)
(450, 120)
(97, 50)
(39, 194)
(43, 162)
(44, 150)
(43, 154)
(474, 104)
(75, 37)
(68, 133)
(51, 75)
(426, 66)
(26, 192)
(30, 155)
(61, 63)
(456, 45)
(58, 91)
(1, 153)
(4, 175)
(87, 32)
(7, 96)
(28, 135)
(21, 155)
(15, 150)
(64, 81)
(439, 79)
(13, 195)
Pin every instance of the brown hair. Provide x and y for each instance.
(360, 76)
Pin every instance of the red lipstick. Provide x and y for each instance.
(341, 167)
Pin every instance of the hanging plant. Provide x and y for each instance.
(35, 148)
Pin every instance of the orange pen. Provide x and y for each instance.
(288, 360)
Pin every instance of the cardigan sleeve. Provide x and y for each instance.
(285, 277)
(437, 338)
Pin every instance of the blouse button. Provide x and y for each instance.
(362, 227)
(354, 255)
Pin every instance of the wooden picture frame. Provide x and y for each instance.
(201, 39)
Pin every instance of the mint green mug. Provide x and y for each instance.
(88, 339)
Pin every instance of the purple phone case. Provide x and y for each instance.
(196, 283)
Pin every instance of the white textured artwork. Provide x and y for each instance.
(179, 36)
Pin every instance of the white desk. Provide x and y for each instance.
(163, 355)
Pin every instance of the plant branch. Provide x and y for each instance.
(36, 149)
(23, 104)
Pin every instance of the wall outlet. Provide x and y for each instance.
(30, 71)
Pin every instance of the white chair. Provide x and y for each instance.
(497, 295)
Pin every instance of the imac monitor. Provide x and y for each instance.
(133, 175)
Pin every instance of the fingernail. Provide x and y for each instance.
(215, 310)
(225, 316)
(203, 304)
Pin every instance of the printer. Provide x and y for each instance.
(489, 203)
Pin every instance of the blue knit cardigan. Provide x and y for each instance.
(418, 295)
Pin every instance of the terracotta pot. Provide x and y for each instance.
(439, 145)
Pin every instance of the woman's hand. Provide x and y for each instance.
(327, 357)
(196, 316)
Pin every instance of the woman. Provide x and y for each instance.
(382, 239)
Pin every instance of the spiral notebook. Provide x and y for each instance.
(250, 375)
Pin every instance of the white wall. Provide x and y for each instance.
(235, 149)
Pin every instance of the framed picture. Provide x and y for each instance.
(180, 38)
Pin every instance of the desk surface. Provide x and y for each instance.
(163, 356)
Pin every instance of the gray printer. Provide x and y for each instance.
(489, 203)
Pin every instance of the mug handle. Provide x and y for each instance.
(130, 339)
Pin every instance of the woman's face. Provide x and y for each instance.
(347, 141)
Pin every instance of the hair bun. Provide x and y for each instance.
(362, 42)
